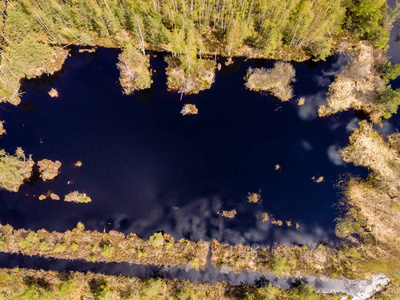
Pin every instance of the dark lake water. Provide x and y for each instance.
(148, 168)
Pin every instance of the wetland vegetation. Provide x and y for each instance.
(14, 169)
(48, 169)
(113, 246)
(35, 36)
(40, 284)
(276, 80)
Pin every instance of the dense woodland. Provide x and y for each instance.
(188, 29)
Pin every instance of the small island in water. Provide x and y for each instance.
(198, 41)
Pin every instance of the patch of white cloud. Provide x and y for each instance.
(343, 60)
(386, 128)
(325, 79)
(306, 145)
(334, 155)
(309, 111)
(352, 125)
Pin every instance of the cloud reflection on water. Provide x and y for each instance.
(198, 220)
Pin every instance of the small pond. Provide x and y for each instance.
(149, 168)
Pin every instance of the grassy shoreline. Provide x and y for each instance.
(79, 244)
(29, 284)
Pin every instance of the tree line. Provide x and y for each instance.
(188, 29)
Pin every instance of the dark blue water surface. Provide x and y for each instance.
(148, 168)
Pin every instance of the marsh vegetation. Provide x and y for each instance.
(41, 284)
(48, 169)
(199, 78)
(81, 244)
(14, 169)
(189, 109)
(363, 85)
(277, 80)
(77, 197)
(134, 68)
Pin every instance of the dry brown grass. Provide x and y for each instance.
(376, 206)
(276, 80)
(14, 170)
(88, 50)
(80, 244)
(230, 214)
(18, 283)
(199, 80)
(276, 222)
(317, 179)
(373, 204)
(254, 197)
(53, 93)
(285, 260)
(54, 196)
(48, 169)
(2, 129)
(367, 148)
(357, 84)
(189, 109)
(77, 197)
(264, 217)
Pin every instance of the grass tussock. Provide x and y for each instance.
(277, 80)
(53, 93)
(254, 197)
(48, 169)
(317, 179)
(230, 214)
(189, 109)
(264, 217)
(14, 169)
(54, 196)
(77, 197)
(267, 217)
(2, 129)
(301, 101)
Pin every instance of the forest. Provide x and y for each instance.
(35, 33)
